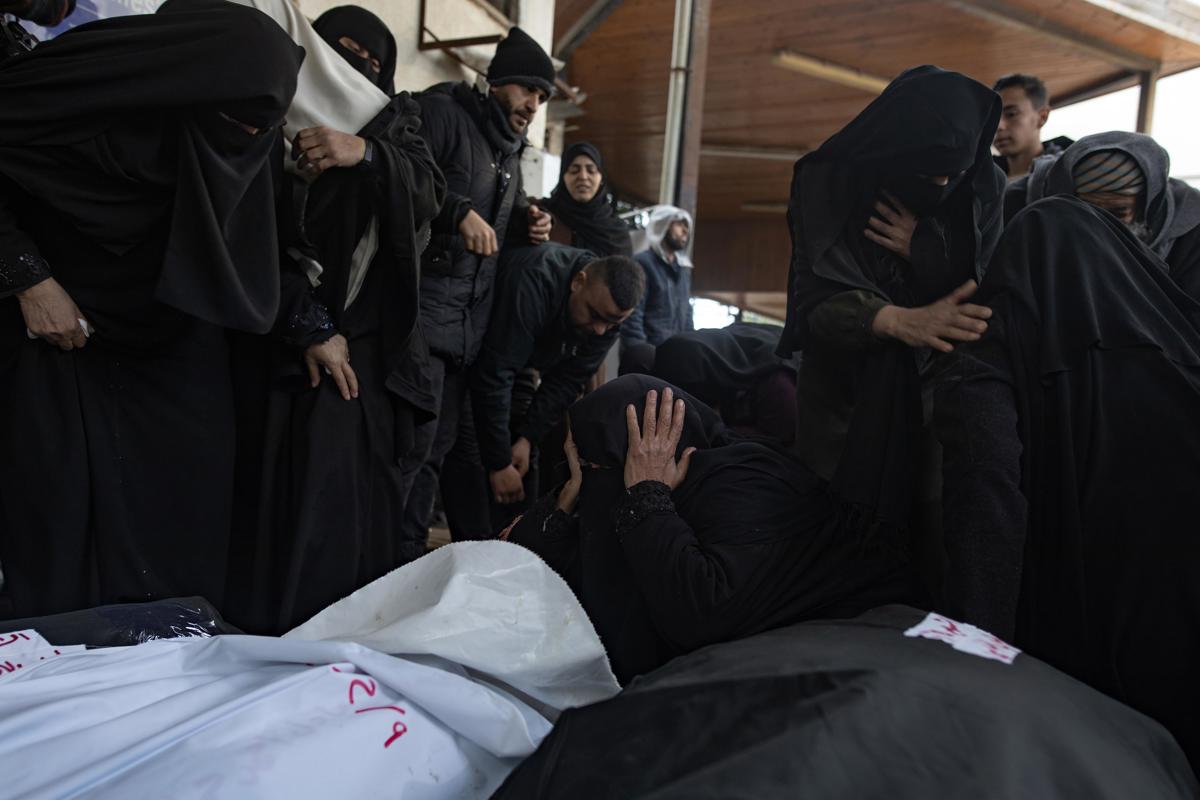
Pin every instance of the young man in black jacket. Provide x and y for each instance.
(476, 139)
(558, 310)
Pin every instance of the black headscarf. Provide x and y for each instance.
(927, 122)
(771, 523)
(595, 224)
(1169, 208)
(605, 585)
(368, 30)
(603, 439)
(1102, 349)
(117, 125)
(601, 435)
(715, 364)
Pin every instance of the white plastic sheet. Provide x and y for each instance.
(491, 606)
(259, 717)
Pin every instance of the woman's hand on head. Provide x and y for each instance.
(651, 453)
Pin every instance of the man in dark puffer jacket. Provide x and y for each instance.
(476, 139)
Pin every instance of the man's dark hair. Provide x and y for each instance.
(624, 278)
(1035, 90)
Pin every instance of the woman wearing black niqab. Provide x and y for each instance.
(590, 224)
(321, 492)
(1167, 215)
(1093, 363)
(922, 145)
(368, 32)
(136, 193)
(750, 540)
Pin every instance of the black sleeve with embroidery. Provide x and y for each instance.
(21, 264)
(639, 502)
(692, 590)
(302, 320)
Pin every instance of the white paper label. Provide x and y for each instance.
(964, 638)
(14, 662)
(28, 639)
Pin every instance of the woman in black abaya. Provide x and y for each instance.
(892, 220)
(332, 400)
(137, 222)
(747, 539)
(1093, 364)
(1165, 211)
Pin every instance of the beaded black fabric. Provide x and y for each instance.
(22, 272)
(640, 501)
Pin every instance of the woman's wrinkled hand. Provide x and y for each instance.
(333, 356)
(651, 453)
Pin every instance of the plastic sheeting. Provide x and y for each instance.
(856, 709)
(491, 606)
(128, 623)
(257, 717)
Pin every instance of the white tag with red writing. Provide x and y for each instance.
(964, 638)
(13, 662)
(28, 639)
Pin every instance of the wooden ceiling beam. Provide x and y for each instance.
(588, 21)
(750, 152)
(1003, 13)
(1177, 18)
(1107, 85)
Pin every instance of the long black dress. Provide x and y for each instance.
(859, 410)
(321, 488)
(120, 177)
(1097, 350)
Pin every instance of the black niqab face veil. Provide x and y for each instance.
(369, 31)
(927, 123)
(78, 114)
